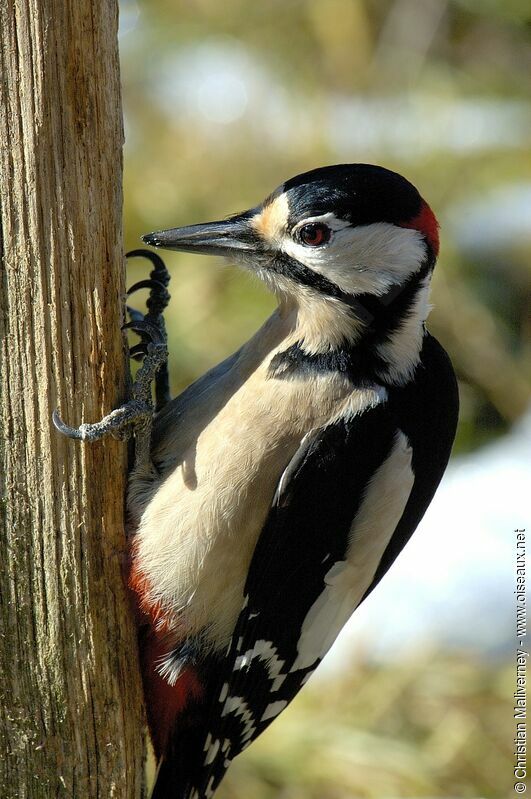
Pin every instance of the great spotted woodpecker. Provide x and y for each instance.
(282, 484)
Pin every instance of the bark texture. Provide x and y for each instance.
(71, 712)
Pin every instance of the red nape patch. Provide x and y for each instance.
(426, 223)
(164, 702)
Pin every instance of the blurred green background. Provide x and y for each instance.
(225, 100)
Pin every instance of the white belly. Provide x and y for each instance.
(224, 446)
(198, 530)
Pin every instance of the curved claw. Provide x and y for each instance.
(70, 432)
(137, 352)
(145, 329)
(156, 260)
(157, 289)
(148, 283)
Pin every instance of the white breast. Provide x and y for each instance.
(199, 524)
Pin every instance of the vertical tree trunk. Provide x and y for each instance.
(71, 713)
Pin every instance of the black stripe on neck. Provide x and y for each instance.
(357, 364)
(376, 312)
(360, 361)
(291, 268)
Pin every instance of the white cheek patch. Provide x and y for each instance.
(369, 258)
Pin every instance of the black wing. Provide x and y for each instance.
(427, 411)
(306, 535)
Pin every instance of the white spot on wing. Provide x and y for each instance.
(266, 652)
(238, 706)
(224, 692)
(273, 710)
(347, 580)
(212, 752)
(242, 661)
(277, 683)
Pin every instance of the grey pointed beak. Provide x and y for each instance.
(228, 237)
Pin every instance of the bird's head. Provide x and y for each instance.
(344, 230)
(353, 236)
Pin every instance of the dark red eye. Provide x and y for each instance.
(314, 235)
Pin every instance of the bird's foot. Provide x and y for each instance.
(136, 414)
(158, 299)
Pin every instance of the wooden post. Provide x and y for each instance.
(70, 707)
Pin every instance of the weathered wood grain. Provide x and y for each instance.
(71, 713)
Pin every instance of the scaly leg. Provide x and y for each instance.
(136, 414)
(156, 304)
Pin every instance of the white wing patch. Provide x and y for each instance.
(347, 580)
